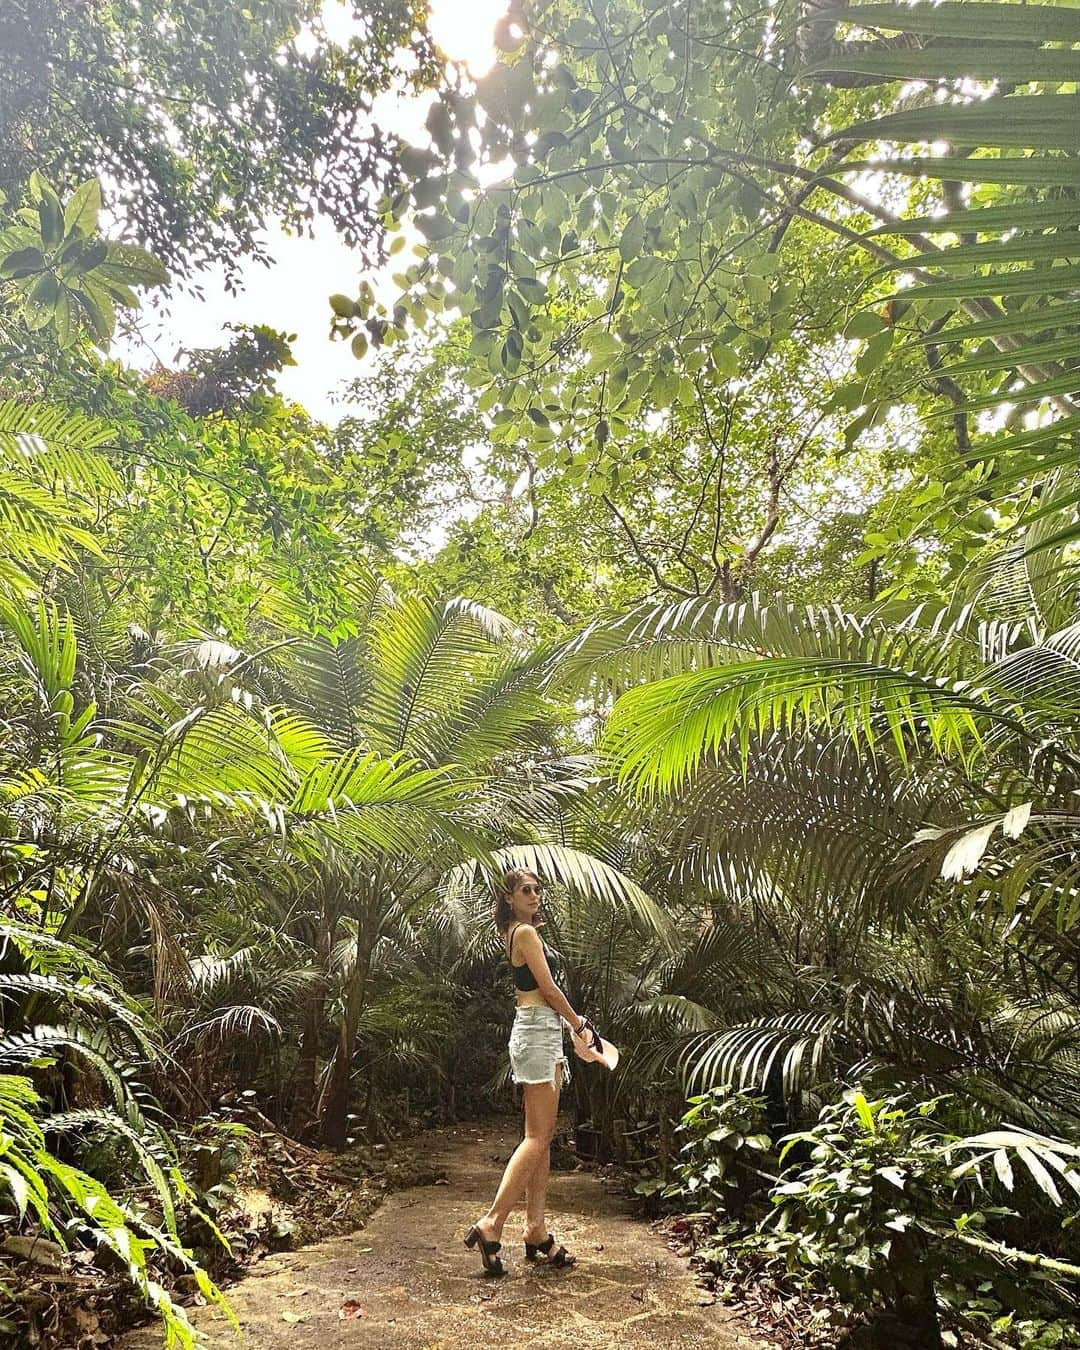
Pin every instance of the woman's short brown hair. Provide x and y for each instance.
(507, 886)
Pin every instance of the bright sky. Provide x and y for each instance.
(292, 295)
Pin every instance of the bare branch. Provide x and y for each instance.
(640, 553)
(775, 476)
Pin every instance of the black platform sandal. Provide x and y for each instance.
(561, 1259)
(488, 1247)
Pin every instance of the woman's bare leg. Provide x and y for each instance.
(536, 1189)
(536, 1200)
(541, 1107)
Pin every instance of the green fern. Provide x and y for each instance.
(35, 1185)
(52, 475)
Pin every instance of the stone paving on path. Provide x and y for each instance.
(407, 1282)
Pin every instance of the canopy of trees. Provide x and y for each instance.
(209, 118)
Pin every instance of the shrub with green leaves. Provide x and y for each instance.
(883, 1189)
(852, 1213)
(726, 1150)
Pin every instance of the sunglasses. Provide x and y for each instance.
(529, 889)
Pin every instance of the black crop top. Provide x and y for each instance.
(524, 979)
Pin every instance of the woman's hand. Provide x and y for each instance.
(589, 1027)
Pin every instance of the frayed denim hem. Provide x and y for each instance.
(558, 1078)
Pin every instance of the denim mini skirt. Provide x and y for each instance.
(536, 1047)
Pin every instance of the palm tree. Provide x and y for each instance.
(451, 689)
(100, 800)
(886, 802)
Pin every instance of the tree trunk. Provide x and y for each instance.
(335, 1111)
(665, 1142)
(302, 1115)
(334, 1107)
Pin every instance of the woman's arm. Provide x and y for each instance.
(532, 949)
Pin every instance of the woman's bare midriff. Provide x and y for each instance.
(530, 998)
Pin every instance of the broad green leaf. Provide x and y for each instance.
(632, 240)
(746, 98)
(80, 255)
(874, 352)
(343, 306)
(83, 209)
(435, 227)
(133, 266)
(64, 318)
(99, 311)
(41, 300)
(24, 262)
(866, 1116)
(51, 216)
(864, 324)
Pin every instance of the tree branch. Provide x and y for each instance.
(640, 553)
(772, 511)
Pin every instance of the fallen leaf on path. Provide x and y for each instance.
(293, 1317)
(37, 1249)
(295, 1293)
(89, 1327)
(350, 1308)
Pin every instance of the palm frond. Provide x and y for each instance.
(51, 476)
(787, 1052)
(1023, 250)
(659, 734)
(92, 1046)
(584, 875)
(426, 660)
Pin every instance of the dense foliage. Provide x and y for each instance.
(209, 118)
(716, 558)
(879, 1211)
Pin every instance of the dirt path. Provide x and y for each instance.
(410, 1284)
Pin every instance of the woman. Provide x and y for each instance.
(539, 1065)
